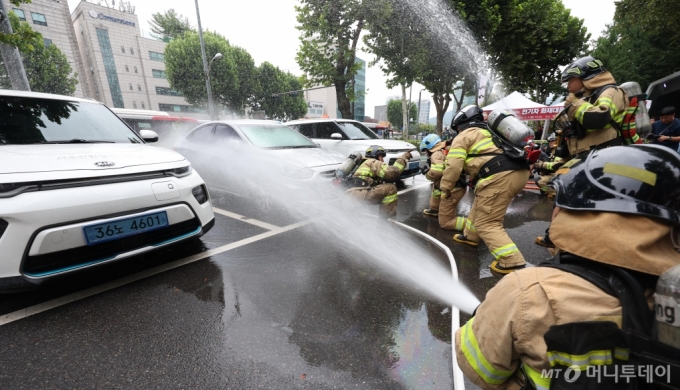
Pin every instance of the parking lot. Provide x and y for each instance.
(261, 301)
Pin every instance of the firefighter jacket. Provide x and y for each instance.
(375, 171)
(509, 326)
(551, 164)
(438, 163)
(596, 116)
(474, 140)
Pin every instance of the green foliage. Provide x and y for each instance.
(424, 127)
(535, 38)
(330, 31)
(395, 114)
(639, 52)
(23, 37)
(659, 18)
(168, 25)
(233, 78)
(47, 68)
(272, 81)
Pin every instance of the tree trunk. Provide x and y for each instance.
(441, 104)
(404, 113)
(344, 105)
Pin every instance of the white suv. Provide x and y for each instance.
(79, 188)
(346, 136)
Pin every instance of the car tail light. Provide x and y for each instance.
(200, 193)
(3, 226)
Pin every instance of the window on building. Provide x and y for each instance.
(131, 89)
(122, 48)
(132, 51)
(47, 42)
(20, 13)
(134, 104)
(136, 69)
(155, 56)
(143, 105)
(126, 68)
(110, 67)
(167, 91)
(139, 87)
(159, 74)
(38, 19)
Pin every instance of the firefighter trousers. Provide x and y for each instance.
(447, 210)
(485, 221)
(384, 194)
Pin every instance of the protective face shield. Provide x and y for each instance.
(467, 114)
(429, 142)
(584, 68)
(636, 179)
(505, 124)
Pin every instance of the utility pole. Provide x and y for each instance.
(11, 55)
(205, 64)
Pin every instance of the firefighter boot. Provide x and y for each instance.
(464, 240)
(545, 240)
(431, 212)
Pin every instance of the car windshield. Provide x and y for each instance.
(276, 137)
(46, 121)
(357, 130)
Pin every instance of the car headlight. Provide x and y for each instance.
(296, 172)
(180, 172)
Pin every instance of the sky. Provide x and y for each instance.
(266, 29)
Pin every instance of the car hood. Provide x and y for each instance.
(84, 158)
(307, 157)
(389, 144)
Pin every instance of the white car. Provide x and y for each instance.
(258, 159)
(346, 136)
(79, 188)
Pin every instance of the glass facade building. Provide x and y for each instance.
(360, 91)
(110, 68)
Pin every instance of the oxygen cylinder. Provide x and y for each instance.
(667, 307)
(348, 165)
(505, 124)
(643, 125)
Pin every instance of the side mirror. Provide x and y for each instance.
(148, 136)
(336, 136)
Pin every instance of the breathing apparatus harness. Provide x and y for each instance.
(634, 344)
(351, 181)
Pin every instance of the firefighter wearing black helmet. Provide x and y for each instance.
(595, 107)
(571, 310)
(374, 180)
(470, 151)
(546, 168)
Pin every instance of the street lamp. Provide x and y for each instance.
(217, 56)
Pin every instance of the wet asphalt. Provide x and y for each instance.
(289, 311)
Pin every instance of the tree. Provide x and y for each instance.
(395, 114)
(634, 52)
(168, 25)
(330, 31)
(544, 38)
(233, 78)
(271, 96)
(25, 37)
(658, 17)
(47, 68)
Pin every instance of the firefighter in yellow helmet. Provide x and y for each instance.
(498, 179)
(565, 313)
(546, 169)
(444, 209)
(374, 180)
(595, 110)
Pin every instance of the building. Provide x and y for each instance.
(380, 113)
(52, 19)
(424, 111)
(322, 102)
(359, 103)
(122, 68)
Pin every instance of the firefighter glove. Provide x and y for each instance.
(424, 170)
(538, 165)
(406, 156)
(445, 193)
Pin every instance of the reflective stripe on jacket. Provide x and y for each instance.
(375, 169)
(509, 326)
(437, 165)
(471, 141)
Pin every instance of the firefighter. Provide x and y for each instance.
(374, 180)
(557, 315)
(595, 110)
(444, 209)
(546, 169)
(473, 151)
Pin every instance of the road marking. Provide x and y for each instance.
(414, 188)
(70, 298)
(240, 217)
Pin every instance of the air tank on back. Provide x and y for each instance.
(348, 165)
(643, 125)
(667, 307)
(505, 124)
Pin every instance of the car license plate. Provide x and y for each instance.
(108, 231)
(413, 165)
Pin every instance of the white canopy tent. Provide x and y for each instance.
(525, 109)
